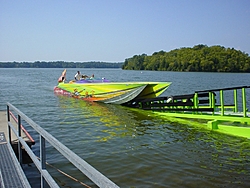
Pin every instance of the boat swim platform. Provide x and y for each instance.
(219, 113)
(11, 173)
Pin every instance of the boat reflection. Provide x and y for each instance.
(114, 120)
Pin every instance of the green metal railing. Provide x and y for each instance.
(198, 102)
(222, 106)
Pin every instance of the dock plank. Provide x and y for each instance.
(11, 173)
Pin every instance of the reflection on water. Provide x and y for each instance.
(113, 120)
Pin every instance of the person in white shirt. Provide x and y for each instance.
(78, 76)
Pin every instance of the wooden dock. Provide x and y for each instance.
(11, 173)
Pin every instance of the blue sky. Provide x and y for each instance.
(113, 30)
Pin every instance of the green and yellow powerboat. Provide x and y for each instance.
(102, 90)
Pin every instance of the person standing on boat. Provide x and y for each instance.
(78, 76)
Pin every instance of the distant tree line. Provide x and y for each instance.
(59, 64)
(200, 58)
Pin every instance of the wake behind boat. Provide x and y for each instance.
(102, 90)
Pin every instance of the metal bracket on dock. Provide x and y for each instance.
(212, 124)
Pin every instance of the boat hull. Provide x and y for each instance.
(112, 92)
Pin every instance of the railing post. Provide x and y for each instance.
(244, 103)
(235, 101)
(196, 100)
(222, 102)
(8, 118)
(19, 143)
(212, 101)
(42, 157)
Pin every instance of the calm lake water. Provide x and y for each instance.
(133, 148)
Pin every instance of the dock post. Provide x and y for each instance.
(222, 102)
(235, 101)
(244, 104)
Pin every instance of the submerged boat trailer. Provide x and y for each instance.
(205, 105)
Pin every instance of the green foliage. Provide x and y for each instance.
(200, 58)
(59, 64)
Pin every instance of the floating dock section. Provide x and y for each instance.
(220, 112)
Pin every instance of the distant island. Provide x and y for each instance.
(60, 64)
(200, 58)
